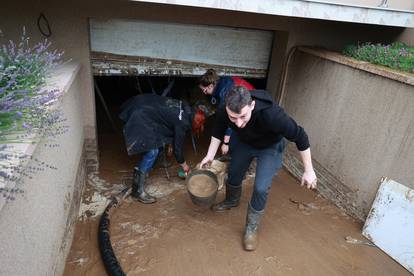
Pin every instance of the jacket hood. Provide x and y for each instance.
(262, 98)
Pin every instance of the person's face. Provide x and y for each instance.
(207, 90)
(241, 119)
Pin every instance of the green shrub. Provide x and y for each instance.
(396, 55)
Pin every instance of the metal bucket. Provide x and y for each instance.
(208, 197)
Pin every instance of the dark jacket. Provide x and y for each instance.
(152, 121)
(267, 125)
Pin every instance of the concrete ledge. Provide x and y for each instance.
(37, 227)
(307, 9)
(383, 71)
(62, 79)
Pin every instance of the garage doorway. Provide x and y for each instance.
(132, 57)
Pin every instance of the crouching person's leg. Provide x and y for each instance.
(140, 174)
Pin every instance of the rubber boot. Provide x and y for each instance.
(138, 188)
(231, 200)
(251, 238)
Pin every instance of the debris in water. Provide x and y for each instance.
(104, 187)
(80, 261)
(304, 206)
(125, 225)
(95, 204)
(131, 242)
(94, 207)
(270, 258)
(352, 240)
(161, 187)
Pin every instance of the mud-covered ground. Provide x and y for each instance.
(300, 234)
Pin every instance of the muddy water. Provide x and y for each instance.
(300, 234)
(201, 185)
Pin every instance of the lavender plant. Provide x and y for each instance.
(396, 55)
(26, 104)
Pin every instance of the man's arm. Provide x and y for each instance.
(219, 131)
(281, 123)
(212, 150)
(309, 176)
(179, 136)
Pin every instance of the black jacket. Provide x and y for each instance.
(268, 124)
(152, 121)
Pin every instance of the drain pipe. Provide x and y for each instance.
(113, 268)
(282, 86)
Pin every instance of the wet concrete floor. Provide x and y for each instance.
(300, 234)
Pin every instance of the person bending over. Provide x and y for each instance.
(151, 122)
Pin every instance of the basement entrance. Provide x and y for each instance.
(301, 233)
(112, 91)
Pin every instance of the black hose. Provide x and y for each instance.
(113, 268)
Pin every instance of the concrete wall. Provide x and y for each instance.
(407, 36)
(361, 127)
(37, 227)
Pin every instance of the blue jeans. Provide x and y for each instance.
(269, 161)
(147, 161)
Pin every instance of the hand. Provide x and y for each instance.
(224, 149)
(185, 167)
(309, 178)
(205, 161)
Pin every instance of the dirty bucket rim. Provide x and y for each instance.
(202, 172)
(199, 200)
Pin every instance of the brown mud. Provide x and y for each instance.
(300, 234)
(201, 185)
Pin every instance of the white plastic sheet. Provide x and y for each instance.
(390, 223)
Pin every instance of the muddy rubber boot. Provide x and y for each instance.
(251, 238)
(138, 188)
(231, 200)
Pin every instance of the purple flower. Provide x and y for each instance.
(4, 174)
(23, 103)
(403, 52)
